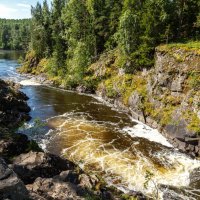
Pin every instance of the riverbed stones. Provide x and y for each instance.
(38, 164)
(11, 187)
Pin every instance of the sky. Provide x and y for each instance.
(17, 9)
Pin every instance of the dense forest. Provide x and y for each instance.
(14, 34)
(71, 34)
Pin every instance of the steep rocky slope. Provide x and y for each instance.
(166, 97)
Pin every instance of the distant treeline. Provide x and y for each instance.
(14, 34)
(72, 34)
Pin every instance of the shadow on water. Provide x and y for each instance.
(11, 55)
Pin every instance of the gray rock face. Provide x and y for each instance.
(38, 164)
(53, 189)
(195, 178)
(134, 100)
(81, 89)
(11, 187)
(177, 83)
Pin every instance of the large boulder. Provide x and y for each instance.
(13, 144)
(53, 189)
(11, 187)
(38, 164)
(13, 106)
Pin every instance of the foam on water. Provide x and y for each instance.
(122, 160)
(29, 82)
(144, 131)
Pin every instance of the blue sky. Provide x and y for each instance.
(17, 9)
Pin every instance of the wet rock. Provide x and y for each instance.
(179, 193)
(190, 148)
(38, 164)
(11, 187)
(53, 189)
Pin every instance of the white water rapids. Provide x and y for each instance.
(120, 156)
(103, 141)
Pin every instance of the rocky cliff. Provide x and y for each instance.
(165, 97)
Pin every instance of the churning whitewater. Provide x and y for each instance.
(101, 139)
(124, 161)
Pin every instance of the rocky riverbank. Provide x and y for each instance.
(165, 97)
(13, 106)
(26, 172)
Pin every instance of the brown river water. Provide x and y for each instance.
(101, 139)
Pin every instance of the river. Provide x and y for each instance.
(100, 138)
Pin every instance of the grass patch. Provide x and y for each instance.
(189, 45)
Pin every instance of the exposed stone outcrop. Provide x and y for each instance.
(11, 187)
(166, 97)
(173, 88)
(38, 164)
(13, 106)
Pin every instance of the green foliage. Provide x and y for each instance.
(185, 45)
(33, 146)
(149, 178)
(128, 197)
(193, 122)
(90, 196)
(30, 63)
(14, 34)
(194, 81)
(110, 91)
(74, 34)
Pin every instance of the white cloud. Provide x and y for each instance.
(14, 13)
(7, 12)
(24, 5)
